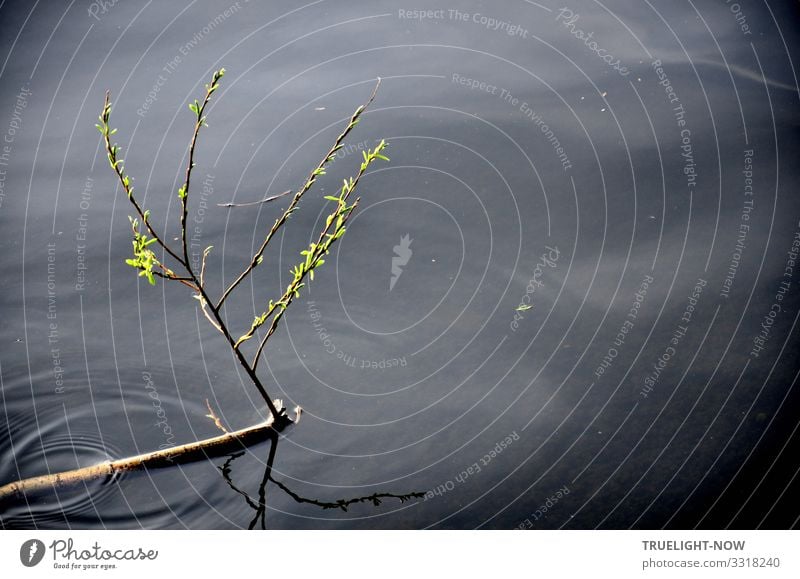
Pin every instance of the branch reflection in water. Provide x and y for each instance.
(259, 505)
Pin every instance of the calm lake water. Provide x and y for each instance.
(568, 301)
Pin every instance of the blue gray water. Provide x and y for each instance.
(568, 301)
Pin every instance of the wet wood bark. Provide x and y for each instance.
(198, 450)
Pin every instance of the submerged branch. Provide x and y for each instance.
(193, 451)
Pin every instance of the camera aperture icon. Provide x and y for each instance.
(402, 254)
(31, 552)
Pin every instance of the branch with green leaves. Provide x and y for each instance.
(335, 227)
(145, 259)
(319, 170)
(151, 266)
(118, 165)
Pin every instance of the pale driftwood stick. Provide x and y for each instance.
(198, 450)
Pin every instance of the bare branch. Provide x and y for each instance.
(206, 251)
(213, 416)
(249, 203)
(199, 450)
(187, 281)
(205, 307)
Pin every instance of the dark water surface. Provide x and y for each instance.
(627, 169)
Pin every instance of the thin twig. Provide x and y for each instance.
(319, 170)
(288, 297)
(184, 196)
(211, 312)
(184, 280)
(206, 251)
(336, 220)
(213, 416)
(249, 203)
(117, 165)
